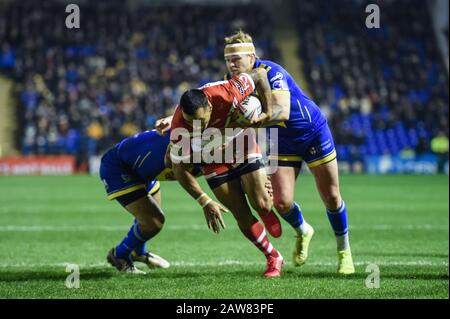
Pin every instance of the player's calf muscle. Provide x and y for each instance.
(254, 186)
(148, 214)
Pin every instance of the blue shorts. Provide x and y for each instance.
(315, 151)
(120, 180)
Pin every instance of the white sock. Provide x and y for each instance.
(303, 228)
(342, 242)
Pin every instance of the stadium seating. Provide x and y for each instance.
(81, 90)
(385, 89)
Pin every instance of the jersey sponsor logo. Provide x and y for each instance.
(278, 82)
(243, 84)
(278, 76)
(325, 145)
(239, 86)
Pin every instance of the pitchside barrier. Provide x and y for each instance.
(38, 165)
(427, 164)
(376, 165)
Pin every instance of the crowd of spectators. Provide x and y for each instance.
(82, 90)
(384, 90)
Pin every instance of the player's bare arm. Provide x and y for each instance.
(259, 77)
(211, 209)
(281, 108)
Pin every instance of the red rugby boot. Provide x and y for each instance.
(274, 265)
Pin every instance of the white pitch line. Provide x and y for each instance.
(51, 210)
(76, 228)
(231, 262)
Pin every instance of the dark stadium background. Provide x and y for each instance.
(67, 95)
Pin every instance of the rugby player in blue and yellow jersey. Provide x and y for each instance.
(131, 172)
(303, 135)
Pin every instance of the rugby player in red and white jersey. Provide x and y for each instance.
(212, 106)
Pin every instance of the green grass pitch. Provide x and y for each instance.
(399, 223)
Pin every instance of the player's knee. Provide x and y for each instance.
(283, 205)
(152, 223)
(332, 200)
(160, 220)
(264, 205)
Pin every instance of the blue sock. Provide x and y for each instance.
(131, 242)
(338, 220)
(295, 219)
(140, 249)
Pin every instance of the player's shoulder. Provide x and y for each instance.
(270, 66)
(216, 90)
(153, 135)
(241, 82)
(138, 136)
(149, 135)
(276, 74)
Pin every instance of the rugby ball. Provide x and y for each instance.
(250, 108)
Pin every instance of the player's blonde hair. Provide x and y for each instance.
(239, 37)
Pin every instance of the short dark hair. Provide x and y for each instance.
(192, 100)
